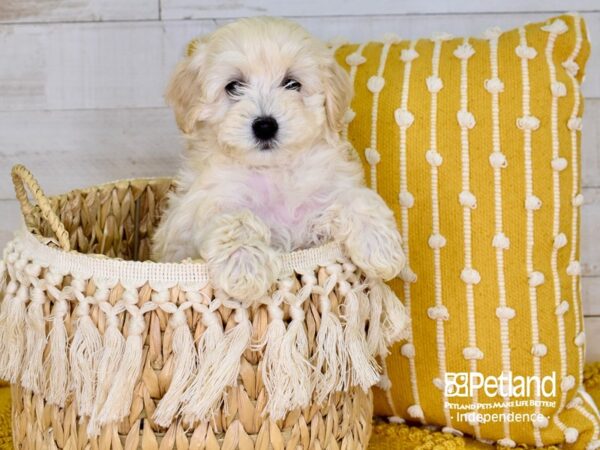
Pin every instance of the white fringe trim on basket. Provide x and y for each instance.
(102, 370)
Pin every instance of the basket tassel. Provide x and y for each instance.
(33, 373)
(395, 320)
(364, 367)
(184, 363)
(85, 348)
(219, 369)
(57, 363)
(295, 367)
(331, 361)
(112, 353)
(120, 395)
(212, 337)
(213, 334)
(287, 369)
(13, 316)
(271, 362)
(375, 337)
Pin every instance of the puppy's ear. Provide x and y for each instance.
(183, 90)
(338, 94)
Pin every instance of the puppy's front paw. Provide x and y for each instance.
(246, 274)
(240, 260)
(377, 251)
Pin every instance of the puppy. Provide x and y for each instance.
(261, 103)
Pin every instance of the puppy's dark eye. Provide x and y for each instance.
(291, 84)
(234, 87)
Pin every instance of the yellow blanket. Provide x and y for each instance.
(385, 436)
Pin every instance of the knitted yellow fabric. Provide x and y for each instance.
(5, 411)
(385, 436)
(474, 144)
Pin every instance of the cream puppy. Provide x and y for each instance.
(261, 103)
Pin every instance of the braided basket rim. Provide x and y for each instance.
(168, 274)
(92, 265)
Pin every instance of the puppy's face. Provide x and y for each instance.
(259, 89)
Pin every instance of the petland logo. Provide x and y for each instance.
(464, 384)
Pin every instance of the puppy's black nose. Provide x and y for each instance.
(265, 128)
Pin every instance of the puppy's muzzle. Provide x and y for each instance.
(264, 129)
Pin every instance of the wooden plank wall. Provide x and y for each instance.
(81, 85)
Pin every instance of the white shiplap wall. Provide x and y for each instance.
(81, 85)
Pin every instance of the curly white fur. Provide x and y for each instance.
(237, 205)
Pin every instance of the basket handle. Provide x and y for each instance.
(22, 178)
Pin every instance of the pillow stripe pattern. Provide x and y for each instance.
(500, 242)
(475, 145)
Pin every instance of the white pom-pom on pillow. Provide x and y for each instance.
(434, 84)
(498, 160)
(558, 89)
(408, 350)
(560, 240)
(526, 52)
(470, 276)
(575, 124)
(528, 123)
(465, 119)
(464, 51)
(536, 279)
(571, 435)
(355, 59)
(507, 442)
(406, 199)
(562, 308)
(396, 419)
(403, 117)
(408, 54)
(434, 158)
(372, 156)
(415, 411)
(539, 350)
(540, 421)
(494, 85)
(559, 164)
(349, 116)
(376, 83)
(567, 383)
(574, 268)
(438, 312)
(467, 199)
(437, 241)
(571, 67)
(501, 241)
(557, 27)
(492, 33)
(472, 353)
(505, 312)
(533, 203)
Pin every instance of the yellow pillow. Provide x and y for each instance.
(474, 143)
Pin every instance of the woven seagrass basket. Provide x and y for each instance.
(105, 351)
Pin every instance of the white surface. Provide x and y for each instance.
(81, 84)
(103, 65)
(193, 9)
(19, 11)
